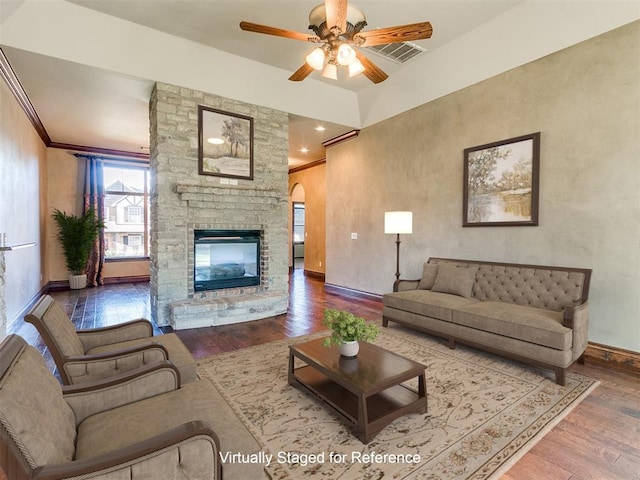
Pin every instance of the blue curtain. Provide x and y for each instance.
(94, 198)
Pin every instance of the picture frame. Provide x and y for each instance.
(225, 144)
(501, 183)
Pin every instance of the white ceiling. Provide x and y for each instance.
(86, 64)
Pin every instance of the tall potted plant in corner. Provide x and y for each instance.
(77, 234)
(347, 330)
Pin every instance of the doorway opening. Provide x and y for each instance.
(298, 234)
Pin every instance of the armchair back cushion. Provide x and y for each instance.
(52, 321)
(33, 412)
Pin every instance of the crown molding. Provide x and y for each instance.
(340, 138)
(10, 78)
(99, 151)
(307, 165)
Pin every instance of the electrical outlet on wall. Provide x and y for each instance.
(354, 236)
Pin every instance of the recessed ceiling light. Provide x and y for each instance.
(304, 150)
(215, 140)
(320, 128)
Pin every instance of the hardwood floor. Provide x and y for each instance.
(599, 439)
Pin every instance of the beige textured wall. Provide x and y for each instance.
(22, 167)
(313, 180)
(585, 101)
(65, 194)
(66, 183)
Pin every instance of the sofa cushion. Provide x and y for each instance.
(198, 400)
(35, 413)
(425, 302)
(429, 274)
(455, 280)
(529, 324)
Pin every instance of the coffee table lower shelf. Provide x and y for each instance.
(369, 414)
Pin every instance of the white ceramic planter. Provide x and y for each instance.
(77, 282)
(349, 349)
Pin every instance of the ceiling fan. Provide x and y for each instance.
(338, 28)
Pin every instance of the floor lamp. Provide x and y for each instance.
(398, 222)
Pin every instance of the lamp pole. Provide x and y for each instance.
(398, 222)
(397, 257)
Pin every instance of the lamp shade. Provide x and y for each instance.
(316, 59)
(330, 71)
(355, 68)
(398, 222)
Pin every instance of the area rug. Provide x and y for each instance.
(484, 413)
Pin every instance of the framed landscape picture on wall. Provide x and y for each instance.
(225, 144)
(501, 183)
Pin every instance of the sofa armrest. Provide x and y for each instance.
(574, 312)
(182, 436)
(85, 368)
(131, 330)
(403, 285)
(90, 398)
(576, 318)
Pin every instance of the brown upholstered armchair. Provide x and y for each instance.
(117, 429)
(88, 355)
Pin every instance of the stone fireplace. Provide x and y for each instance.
(207, 231)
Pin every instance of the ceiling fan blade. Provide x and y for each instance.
(278, 32)
(401, 33)
(303, 72)
(336, 12)
(371, 70)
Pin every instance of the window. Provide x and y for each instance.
(298, 222)
(126, 211)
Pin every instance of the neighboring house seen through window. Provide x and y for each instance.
(126, 211)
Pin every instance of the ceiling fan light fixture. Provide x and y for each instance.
(316, 59)
(330, 71)
(346, 55)
(355, 68)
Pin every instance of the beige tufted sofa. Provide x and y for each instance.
(534, 314)
(139, 425)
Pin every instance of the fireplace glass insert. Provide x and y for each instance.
(226, 259)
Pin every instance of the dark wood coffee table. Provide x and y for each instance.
(365, 390)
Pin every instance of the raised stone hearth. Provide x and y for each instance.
(183, 201)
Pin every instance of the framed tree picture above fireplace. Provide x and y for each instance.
(225, 144)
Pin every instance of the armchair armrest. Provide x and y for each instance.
(140, 452)
(131, 330)
(90, 398)
(84, 368)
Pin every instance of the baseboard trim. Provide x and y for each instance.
(350, 291)
(132, 279)
(311, 273)
(614, 358)
(60, 285)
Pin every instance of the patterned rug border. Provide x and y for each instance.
(497, 465)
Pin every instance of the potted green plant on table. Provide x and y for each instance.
(347, 330)
(77, 234)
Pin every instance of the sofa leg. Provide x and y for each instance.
(385, 322)
(452, 343)
(581, 359)
(560, 376)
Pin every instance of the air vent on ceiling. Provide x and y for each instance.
(397, 52)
